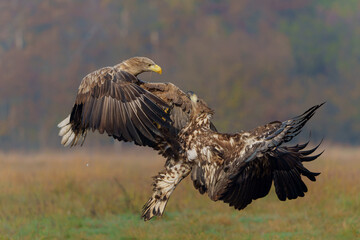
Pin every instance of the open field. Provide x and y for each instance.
(99, 195)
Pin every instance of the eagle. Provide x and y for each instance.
(235, 168)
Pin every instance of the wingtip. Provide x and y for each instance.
(316, 107)
(311, 158)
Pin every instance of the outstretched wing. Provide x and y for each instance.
(259, 160)
(253, 180)
(112, 101)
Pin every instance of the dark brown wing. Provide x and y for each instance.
(112, 101)
(260, 159)
(178, 101)
(253, 180)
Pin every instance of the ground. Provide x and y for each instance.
(94, 194)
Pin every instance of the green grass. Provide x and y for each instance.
(57, 196)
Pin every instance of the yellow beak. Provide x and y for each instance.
(155, 68)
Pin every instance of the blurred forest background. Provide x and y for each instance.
(252, 61)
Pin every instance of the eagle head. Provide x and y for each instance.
(193, 97)
(137, 65)
(199, 107)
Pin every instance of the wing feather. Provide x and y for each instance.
(261, 159)
(111, 101)
(178, 101)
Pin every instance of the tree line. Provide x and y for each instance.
(252, 61)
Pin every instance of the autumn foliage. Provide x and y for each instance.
(252, 61)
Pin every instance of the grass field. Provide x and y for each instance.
(99, 195)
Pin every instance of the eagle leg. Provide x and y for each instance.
(164, 184)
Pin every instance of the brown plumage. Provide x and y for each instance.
(235, 168)
(238, 168)
(115, 101)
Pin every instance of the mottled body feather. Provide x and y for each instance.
(238, 168)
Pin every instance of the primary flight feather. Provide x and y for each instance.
(234, 168)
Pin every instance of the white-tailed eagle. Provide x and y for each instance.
(234, 168)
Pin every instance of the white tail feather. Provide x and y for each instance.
(70, 139)
(64, 122)
(64, 130)
(66, 137)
